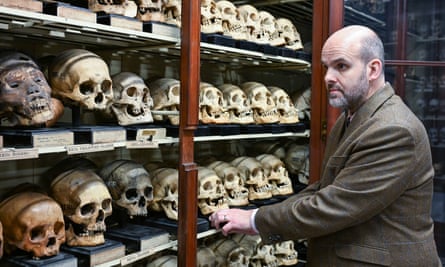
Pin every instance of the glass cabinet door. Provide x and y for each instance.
(413, 33)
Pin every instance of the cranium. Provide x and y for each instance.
(237, 193)
(285, 253)
(211, 21)
(249, 15)
(286, 109)
(25, 96)
(268, 30)
(230, 253)
(172, 11)
(232, 24)
(252, 173)
(149, 10)
(297, 161)
(165, 192)
(130, 186)
(132, 102)
(120, 7)
(86, 203)
(212, 195)
(248, 242)
(81, 78)
(212, 107)
(26, 229)
(302, 102)
(288, 31)
(165, 93)
(261, 102)
(276, 173)
(264, 256)
(237, 104)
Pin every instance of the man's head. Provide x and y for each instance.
(353, 57)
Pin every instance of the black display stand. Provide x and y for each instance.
(91, 256)
(59, 260)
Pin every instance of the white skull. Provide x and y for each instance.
(249, 15)
(252, 173)
(166, 95)
(165, 192)
(264, 256)
(237, 193)
(130, 186)
(261, 102)
(132, 100)
(81, 78)
(302, 102)
(237, 103)
(232, 24)
(277, 175)
(25, 96)
(297, 161)
(286, 109)
(286, 253)
(212, 107)
(149, 10)
(32, 222)
(212, 195)
(120, 7)
(172, 11)
(86, 203)
(289, 32)
(230, 253)
(164, 261)
(211, 21)
(268, 30)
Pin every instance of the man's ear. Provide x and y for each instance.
(375, 68)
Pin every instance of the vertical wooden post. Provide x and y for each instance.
(190, 78)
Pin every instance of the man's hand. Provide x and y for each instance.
(233, 221)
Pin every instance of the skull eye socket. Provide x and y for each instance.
(86, 88)
(131, 91)
(230, 177)
(106, 86)
(175, 91)
(106, 204)
(148, 191)
(58, 227)
(131, 194)
(37, 233)
(207, 186)
(88, 209)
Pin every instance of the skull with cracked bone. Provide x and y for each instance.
(129, 184)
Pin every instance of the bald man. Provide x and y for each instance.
(372, 204)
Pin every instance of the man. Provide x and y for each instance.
(372, 204)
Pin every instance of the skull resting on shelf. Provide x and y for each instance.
(132, 102)
(172, 12)
(25, 96)
(237, 104)
(130, 186)
(287, 113)
(261, 102)
(212, 195)
(166, 96)
(120, 7)
(211, 20)
(149, 10)
(86, 203)
(165, 192)
(288, 31)
(285, 253)
(230, 253)
(252, 173)
(232, 24)
(25, 228)
(277, 175)
(251, 19)
(212, 108)
(81, 78)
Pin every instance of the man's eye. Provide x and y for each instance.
(341, 66)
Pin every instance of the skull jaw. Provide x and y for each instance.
(289, 116)
(259, 192)
(213, 117)
(281, 189)
(124, 118)
(170, 209)
(208, 206)
(88, 239)
(263, 117)
(287, 260)
(241, 118)
(237, 198)
(35, 113)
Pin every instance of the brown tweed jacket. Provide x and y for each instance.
(372, 205)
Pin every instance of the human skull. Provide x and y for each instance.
(252, 173)
(261, 102)
(212, 107)
(129, 184)
(206, 257)
(165, 192)
(25, 228)
(166, 96)
(297, 161)
(286, 109)
(248, 242)
(268, 30)
(264, 256)
(237, 193)
(164, 261)
(288, 31)
(237, 104)
(132, 102)
(302, 102)
(86, 203)
(149, 10)
(277, 175)
(25, 96)
(172, 11)
(211, 20)
(212, 195)
(81, 78)
(232, 24)
(285, 253)
(249, 15)
(230, 253)
(120, 7)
